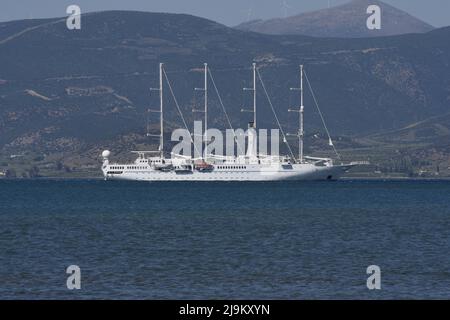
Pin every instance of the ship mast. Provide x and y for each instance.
(205, 110)
(254, 96)
(301, 132)
(161, 118)
(300, 111)
(161, 114)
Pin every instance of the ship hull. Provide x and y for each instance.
(298, 172)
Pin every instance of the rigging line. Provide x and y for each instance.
(276, 118)
(224, 110)
(321, 116)
(179, 110)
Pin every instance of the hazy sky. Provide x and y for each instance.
(229, 12)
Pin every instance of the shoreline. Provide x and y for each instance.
(356, 178)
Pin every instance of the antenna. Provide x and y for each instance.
(254, 96)
(300, 111)
(160, 111)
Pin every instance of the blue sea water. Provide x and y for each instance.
(278, 240)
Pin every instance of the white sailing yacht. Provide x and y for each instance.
(250, 166)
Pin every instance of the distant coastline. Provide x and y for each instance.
(345, 178)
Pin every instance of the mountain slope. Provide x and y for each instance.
(71, 93)
(345, 21)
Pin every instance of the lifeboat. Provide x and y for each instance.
(204, 167)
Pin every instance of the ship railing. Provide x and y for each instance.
(142, 154)
(360, 163)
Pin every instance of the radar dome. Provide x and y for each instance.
(106, 154)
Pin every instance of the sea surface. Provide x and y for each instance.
(203, 240)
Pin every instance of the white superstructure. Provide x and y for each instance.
(251, 166)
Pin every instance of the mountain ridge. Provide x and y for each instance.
(345, 21)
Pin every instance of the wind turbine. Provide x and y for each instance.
(249, 13)
(285, 6)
